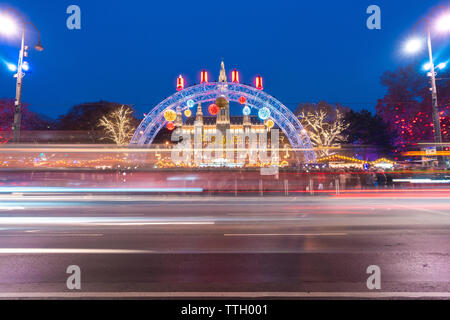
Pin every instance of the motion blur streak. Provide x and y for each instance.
(68, 251)
(92, 190)
(421, 181)
(95, 221)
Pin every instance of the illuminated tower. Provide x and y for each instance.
(199, 116)
(179, 119)
(223, 118)
(223, 74)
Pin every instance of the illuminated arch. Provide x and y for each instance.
(208, 92)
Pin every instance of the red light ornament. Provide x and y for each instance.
(235, 76)
(180, 83)
(170, 126)
(259, 83)
(213, 109)
(242, 100)
(204, 77)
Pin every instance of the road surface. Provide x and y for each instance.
(153, 246)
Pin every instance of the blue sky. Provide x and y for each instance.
(132, 51)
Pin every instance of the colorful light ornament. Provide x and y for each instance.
(259, 82)
(213, 109)
(180, 83)
(188, 113)
(170, 126)
(242, 100)
(235, 76)
(270, 124)
(204, 77)
(264, 113)
(170, 115)
(246, 111)
(190, 103)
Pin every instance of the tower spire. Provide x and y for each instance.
(199, 115)
(223, 74)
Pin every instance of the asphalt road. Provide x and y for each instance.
(148, 246)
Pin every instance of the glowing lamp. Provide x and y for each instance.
(7, 25)
(204, 77)
(270, 124)
(242, 100)
(25, 66)
(235, 76)
(170, 115)
(213, 109)
(170, 126)
(413, 45)
(264, 113)
(190, 103)
(180, 83)
(11, 67)
(246, 111)
(188, 113)
(259, 83)
(441, 65)
(443, 24)
(426, 66)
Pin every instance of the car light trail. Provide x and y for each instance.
(69, 251)
(98, 221)
(282, 234)
(92, 190)
(421, 181)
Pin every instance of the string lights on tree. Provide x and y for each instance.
(118, 125)
(325, 126)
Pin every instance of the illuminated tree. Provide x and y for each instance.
(118, 125)
(325, 125)
(406, 107)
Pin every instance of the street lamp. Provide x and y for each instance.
(9, 27)
(414, 45)
(440, 66)
(443, 24)
(11, 67)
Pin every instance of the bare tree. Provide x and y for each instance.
(324, 124)
(118, 125)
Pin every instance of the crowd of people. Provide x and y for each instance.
(350, 178)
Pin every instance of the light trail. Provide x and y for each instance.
(70, 251)
(98, 221)
(132, 150)
(421, 180)
(282, 234)
(93, 190)
(11, 208)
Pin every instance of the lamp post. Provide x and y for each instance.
(19, 75)
(434, 101)
(415, 45)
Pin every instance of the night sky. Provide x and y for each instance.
(132, 51)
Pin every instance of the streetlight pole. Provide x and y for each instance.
(18, 102)
(19, 75)
(434, 100)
